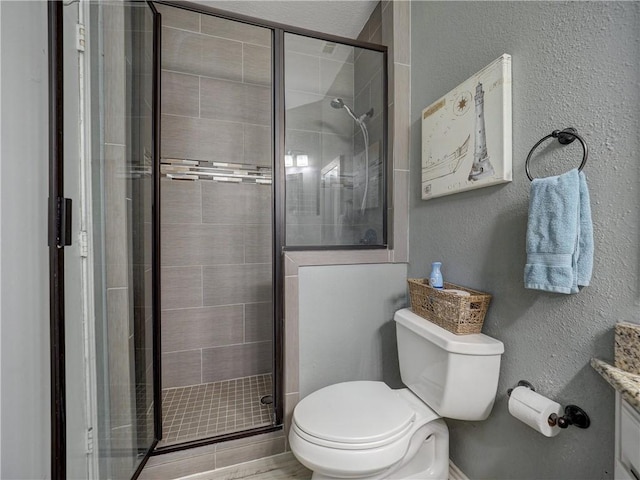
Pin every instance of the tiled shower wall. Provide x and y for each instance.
(216, 237)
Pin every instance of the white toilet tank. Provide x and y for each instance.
(456, 375)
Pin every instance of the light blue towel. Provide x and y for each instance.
(559, 234)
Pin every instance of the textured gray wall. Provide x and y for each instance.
(574, 64)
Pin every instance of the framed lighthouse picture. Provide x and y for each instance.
(466, 135)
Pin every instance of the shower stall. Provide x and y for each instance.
(218, 189)
(216, 142)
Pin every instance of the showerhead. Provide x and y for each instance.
(337, 103)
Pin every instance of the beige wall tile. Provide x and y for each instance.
(336, 78)
(181, 368)
(291, 343)
(198, 54)
(242, 442)
(258, 145)
(194, 328)
(256, 64)
(121, 382)
(194, 244)
(230, 284)
(181, 287)
(179, 18)
(258, 247)
(201, 139)
(304, 111)
(387, 30)
(181, 51)
(290, 265)
(290, 402)
(114, 74)
(179, 468)
(221, 58)
(181, 202)
(123, 463)
(258, 321)
(180, 94)
(402, 106)
(375, 20)
(249, 452)
(238, 204)
(302, 72)
(235, 361)
(116, 234)
(367, 64)
(401, 217)
(221, 27)
(402, 32)
(375, 36)
(235, 102)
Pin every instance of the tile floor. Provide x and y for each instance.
(211, 409)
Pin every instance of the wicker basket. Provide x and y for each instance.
(459, 314)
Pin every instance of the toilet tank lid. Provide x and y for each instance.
(473, 344)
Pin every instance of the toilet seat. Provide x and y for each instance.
(353, 415)
(359, 429)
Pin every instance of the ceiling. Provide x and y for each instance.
(338, 17)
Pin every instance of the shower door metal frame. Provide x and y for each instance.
(278, 190)
(56, 249)
(59, 236)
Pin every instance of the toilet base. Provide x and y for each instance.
(426, 459)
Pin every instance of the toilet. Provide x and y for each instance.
(364, 429)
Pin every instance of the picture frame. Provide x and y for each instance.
(467, 134)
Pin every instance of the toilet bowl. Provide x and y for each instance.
(364, 429)
(367, 430)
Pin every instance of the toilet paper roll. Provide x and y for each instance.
(534, 410)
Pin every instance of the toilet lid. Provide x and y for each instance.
(353, 412)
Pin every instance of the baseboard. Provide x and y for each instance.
(455, 473)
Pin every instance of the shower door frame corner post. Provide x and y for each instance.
(56, 250)
(156, 246)
(279, 234)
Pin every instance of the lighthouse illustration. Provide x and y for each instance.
(481, 165)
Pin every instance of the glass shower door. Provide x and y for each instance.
(216, 226)
(121, 45)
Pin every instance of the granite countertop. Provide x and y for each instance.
(624, 376)
(626, 383)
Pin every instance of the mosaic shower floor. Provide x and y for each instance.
(210, 409)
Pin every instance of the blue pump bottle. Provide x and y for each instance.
(435, 279)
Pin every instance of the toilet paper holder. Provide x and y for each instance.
(573, 415)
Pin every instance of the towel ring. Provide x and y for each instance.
(565, 137)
